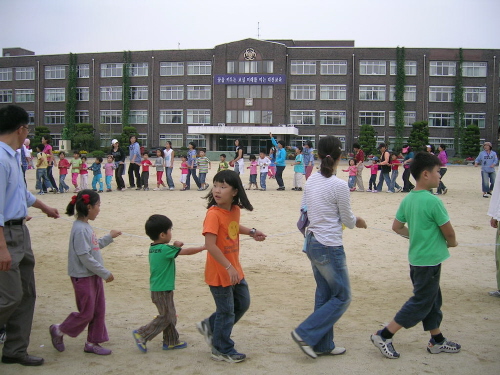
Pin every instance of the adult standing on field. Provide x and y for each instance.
(488, 159)
(135, 163)
(119, 159)
(17, 279)
(359, 157)
(169, 155)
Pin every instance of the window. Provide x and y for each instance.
(139, 93)
(305, 67)
(332, 117)
(5, 74)
(172, 92)
(410, 68)
(474, 69)
(249, 91)
(54, 117)
(198, 139)
(478, 119)
(55, 95)
(198, 116)
(138, 69)
(138, 117)
(333, 67)
(55, 72)
(442, 68)
(109, 93)
(372, 67)
(6, 96)
(372, 92)
(242, 67)
(111, 116)
(303, 92)
(409, 119)
(441, 119)
(475, 94)
(372, 118)
(171, 68)
(31, 116)
(199, 92)
(299, 140)
(249, 117)
(25, 95)
(332, 92)
(171, 116)
(142, 139)
(299, 117)
(82, 94)
(199, 68)
(26, 73)
(82, 117)
(448, 142)
(112, 70)
(410, 94)
(83, 71)
(176, 139)
(441, 93)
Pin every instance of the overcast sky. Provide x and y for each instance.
(63, 26)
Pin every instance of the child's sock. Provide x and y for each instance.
(386, 334)
(439, 338)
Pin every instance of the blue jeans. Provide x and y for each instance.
(263, 180)
(425, 304)
(108, 182)
(333, 294)
(394, 184)
(201, 178)
(192, 172)
(97, 179)
(231, 303)
(384, 176)
(170, 182)
(352, 182)
(485, 176)
(42, 180)
(441, 187)
(62, 185)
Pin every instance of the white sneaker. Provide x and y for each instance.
(171, 189)
(385, 346)
(495, 293)
(308, 350)
(156, 189)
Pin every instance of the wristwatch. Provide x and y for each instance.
(252, 232)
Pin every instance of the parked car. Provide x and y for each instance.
(152, 151)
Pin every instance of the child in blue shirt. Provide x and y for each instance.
(298, 169)
(97, 169)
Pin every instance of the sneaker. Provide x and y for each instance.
(57, 338)
(390, 192)
(3, 335)
(489, 193)
(293, 188)
(445, 191)
(108, 190)
(308, 350)
(385, 346)
(336, 351)
(139, 188)
(100, 191)
(96, 349)
(204, 328)
(399, 189)
(171, 188)
(495, 293)
(201, 189)
(262, 189)
(40, 193)
(139, 341)
(374, 191)
(299, 189)
(369, 191)
(485, 195)
(156, 189)
(445, 347)
(180, 345)
(206, 186)
(231, 358)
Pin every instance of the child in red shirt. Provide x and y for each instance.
(145, 162)
(372, 186)
(63, 166)
(395, 163)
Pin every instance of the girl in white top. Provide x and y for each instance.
(328, 205)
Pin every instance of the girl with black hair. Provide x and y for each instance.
(223, 272)
(86, 270)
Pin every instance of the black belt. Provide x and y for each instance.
(15, 222)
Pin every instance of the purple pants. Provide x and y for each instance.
(89, 293)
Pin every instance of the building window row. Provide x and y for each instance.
(176, 68)
(26, 73)
(177, 139)
(193, 116)
(249, 91)
(246, 67)
(446, 94)
(249, 117)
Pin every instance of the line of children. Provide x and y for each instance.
(109, 168)
(97, 171)
(253, 172)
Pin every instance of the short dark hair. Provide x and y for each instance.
(300, 148)
(308, 143)
(356, 145)
(232, 179)
(252, 157)
(156, 225)
(40, 147)
(99, 159)
(146, 153)
(12, 117)
(282, 143)
(423, 161)
(193, 144)
(223, 155)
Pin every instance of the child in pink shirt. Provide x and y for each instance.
(109, 167)
(353, 170)
(253, 172)
(373, 177)
(184, 172)
(84, 173)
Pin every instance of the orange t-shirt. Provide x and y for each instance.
(226, 226)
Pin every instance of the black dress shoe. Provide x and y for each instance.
(27, 360)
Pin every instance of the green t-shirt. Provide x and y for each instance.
(75, 165)
(162, 267)
(424, 213)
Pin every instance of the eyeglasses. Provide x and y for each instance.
(24, 127)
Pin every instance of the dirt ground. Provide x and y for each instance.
(281, 286)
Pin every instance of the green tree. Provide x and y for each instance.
(458, 106)
(399, 115)
(69, 125)
(367, 139)
(126, 88)
(84, 138)
(40, 131)
(419, 135)
(127, 132)
(471, 141)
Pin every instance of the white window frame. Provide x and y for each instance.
(474, 69)
(478, 118)
(303, 117)
(199, 68)
(337, 118)
(111, 93)
(139, 93)
(249, 117)
(448, 142)
(25, 73)
(372, 67)
(410, 68)
(57, 117)
(110, 116)
(167, 116)
(442, 68)
(111, 70)
(55, 72)
(303, 67)
(138, 116)
(57, 94)
(83, 70)
(171, 68)
(441, 116)
(142, 139)
(198, 116)
(303, 92)
(441, 93)
(475, 94)
(409, 118)
(172, 92)
(6, 96)
(27, 94)
(333, 67)
(199, 139)
(410, 94)
(333, 92)
(372, 92)
(176, 139)
(199, 92)
(82, 116)
(5, 74)
(373, 115)
(82, 94)
(31, 115)
(299, 140)
(139, 69)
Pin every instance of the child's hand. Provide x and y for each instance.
(115, 233)
(178, 243)
(453, 244)
(360, 223)
(233, 276)
(259, 236)
(110, 278)
(494, 223)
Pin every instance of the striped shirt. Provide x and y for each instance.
(328, 204)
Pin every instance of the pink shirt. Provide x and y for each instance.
(253, 167)
(443, 158)
(353, 170)
(63, 166)
(184, 167)
(84, 169)
(108, 169)
(373, 168)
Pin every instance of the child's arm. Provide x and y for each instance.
(400, 228)
(256, 234)
(188, 250)
(108, 238)
(216, 253)
(449, 234)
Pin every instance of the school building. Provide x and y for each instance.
(297, 89)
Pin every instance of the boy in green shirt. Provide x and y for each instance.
(162, 284)
(430, 233)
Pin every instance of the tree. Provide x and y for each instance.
(84, 138)
(471, 141)
(69, 126)
(458, 106)
(126, 88)
(399, 115)
(40, 131)
(127, 132)
(367, 139)
(419, 135)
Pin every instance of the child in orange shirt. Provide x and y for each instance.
(223, 272)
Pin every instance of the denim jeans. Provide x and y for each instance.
(42, 180)
(231, 303)
(352, 182)
(425, 304)
(97, 179)
(394, 184)
(62, 185)
(384, 176)
(441, 187)
(263, 180)
(192, 172)
(488, 176)
(170, 182)
(201, 178)
(333, 294)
